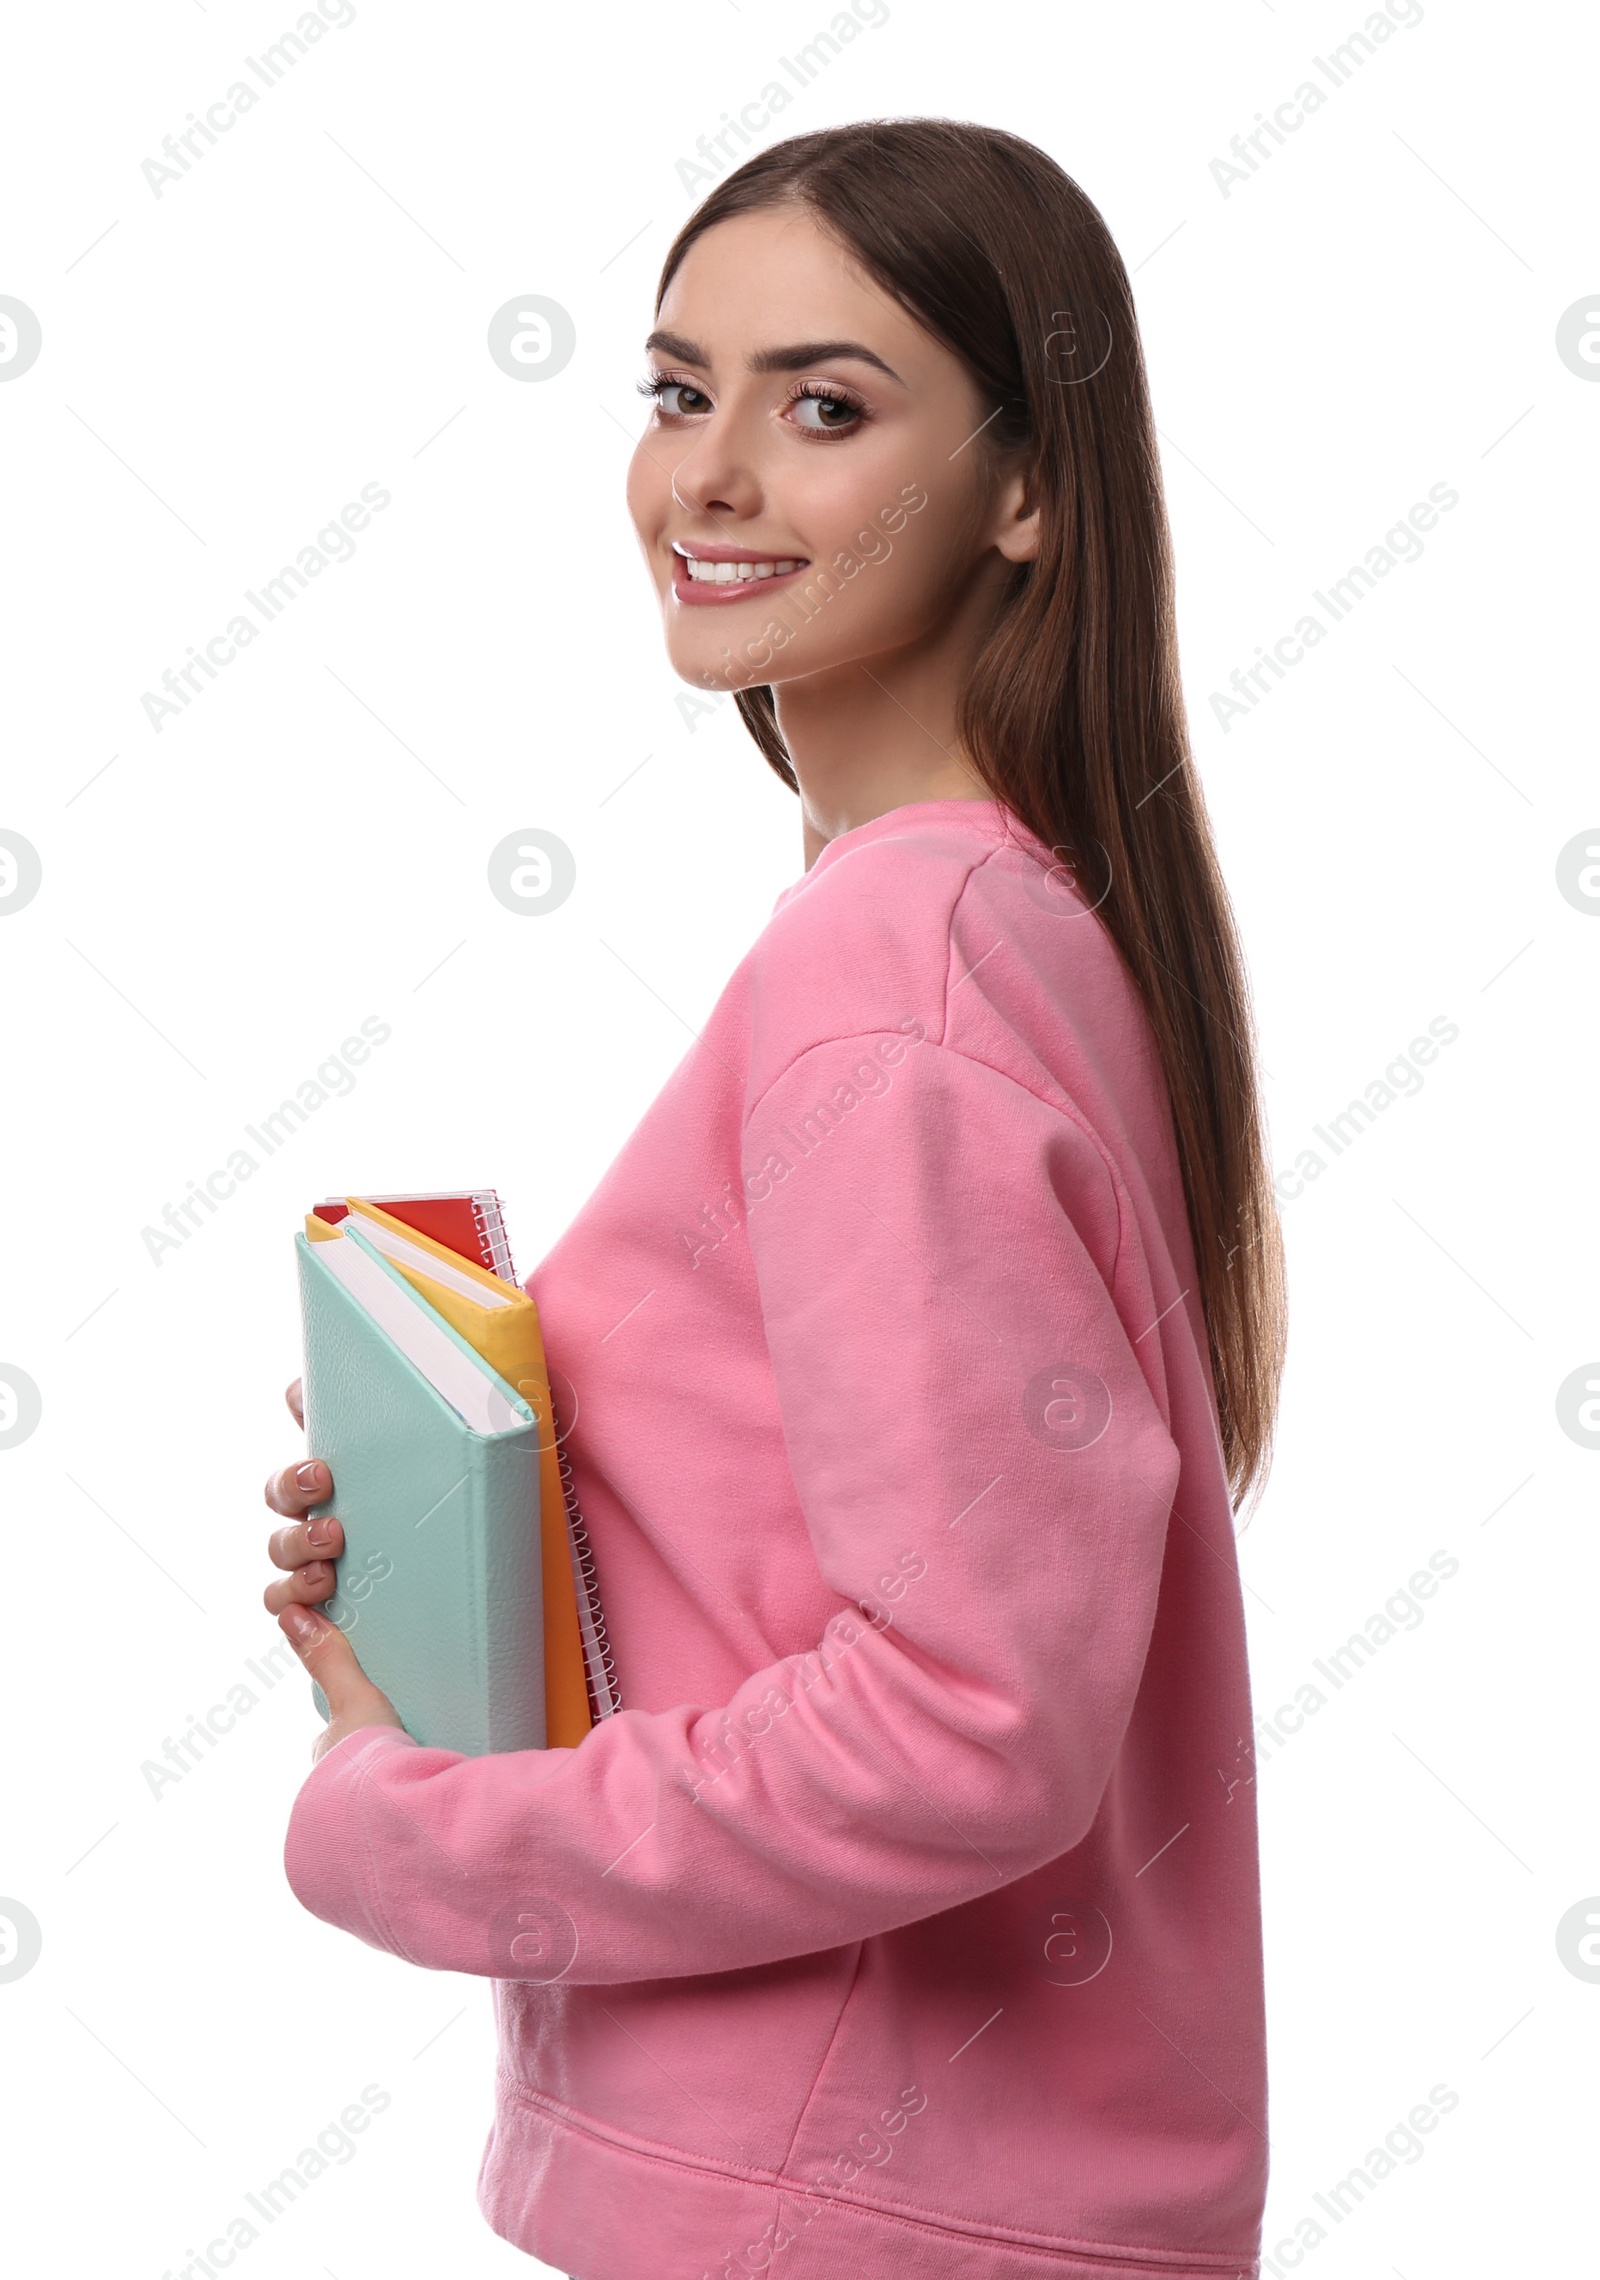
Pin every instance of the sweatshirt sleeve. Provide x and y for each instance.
(956, 1307)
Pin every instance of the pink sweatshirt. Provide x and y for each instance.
(905, 1921)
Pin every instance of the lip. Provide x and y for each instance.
(696, 594)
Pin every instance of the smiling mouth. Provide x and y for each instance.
(729, 573)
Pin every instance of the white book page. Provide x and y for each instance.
(473, 1394)
(405, 1253)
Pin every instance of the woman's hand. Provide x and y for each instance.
(308, 1550)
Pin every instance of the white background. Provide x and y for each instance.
(1370, 313)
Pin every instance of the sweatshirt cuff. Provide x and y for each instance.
(364, 1734)
(325, 1854)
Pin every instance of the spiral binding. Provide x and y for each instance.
(599, 1670)
(493, 1244)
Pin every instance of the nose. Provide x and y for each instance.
(715, 476)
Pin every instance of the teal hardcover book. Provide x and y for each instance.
(435, 1464)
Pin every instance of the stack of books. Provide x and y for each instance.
(466, 1584)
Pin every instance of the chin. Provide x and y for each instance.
(713, 668)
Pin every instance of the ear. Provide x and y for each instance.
(1016, 525)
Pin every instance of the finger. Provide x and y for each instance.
(298, 1487)
(294, 1396)
(308, 1586)
(331, 1660)
(308, 1540)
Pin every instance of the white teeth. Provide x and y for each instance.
(735, 573)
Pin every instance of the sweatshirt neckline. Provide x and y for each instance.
(989, 818)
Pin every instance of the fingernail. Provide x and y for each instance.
(320, 1532)
(303, 1624)
(308, 1477)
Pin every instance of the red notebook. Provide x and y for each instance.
(468, 1222)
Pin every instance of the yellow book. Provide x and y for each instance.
(501, 1323)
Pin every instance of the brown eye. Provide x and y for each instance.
(821, 412)
(689, 399)
(676, 397)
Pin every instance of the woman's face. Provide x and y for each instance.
(805, 427)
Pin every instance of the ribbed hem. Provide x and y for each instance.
(588, 2201)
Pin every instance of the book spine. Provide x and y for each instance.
(599, 1668)
(510, 1605)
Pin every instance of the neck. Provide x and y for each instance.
(833, 803)
(872, 736)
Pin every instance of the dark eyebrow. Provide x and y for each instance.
(794, 358)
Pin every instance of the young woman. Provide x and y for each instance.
(925, 1336)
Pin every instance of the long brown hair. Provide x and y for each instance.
(1074, 713)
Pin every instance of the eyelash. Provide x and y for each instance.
(815, 390)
